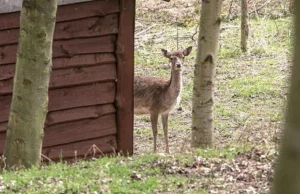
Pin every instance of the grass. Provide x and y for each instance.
(259, 86)
(227, 152)
(108, 175)
(146, 173)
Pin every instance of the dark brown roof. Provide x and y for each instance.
(7, 6)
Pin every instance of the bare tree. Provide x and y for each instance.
(244, 25)
(287, 173)
(204, 74)
(30, 94)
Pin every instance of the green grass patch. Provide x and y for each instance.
(254, 86)
(227, 152)
(138, 174)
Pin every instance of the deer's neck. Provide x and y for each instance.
(175, 83)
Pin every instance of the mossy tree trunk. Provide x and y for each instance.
(30, 94)
(244, 25)
(287, 173)
(204, 74)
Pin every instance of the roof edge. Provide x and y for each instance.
(8, 6)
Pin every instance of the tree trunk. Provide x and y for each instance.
(287, 173)
(244, 25)
(204, 74)
(291, 6)
(30, 94)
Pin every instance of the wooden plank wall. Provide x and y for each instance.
(83, 82)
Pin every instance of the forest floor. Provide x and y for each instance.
(250, 97)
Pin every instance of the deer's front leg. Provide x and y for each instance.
(154, 118)
(164, 119)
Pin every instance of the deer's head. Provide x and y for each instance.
(177, 57)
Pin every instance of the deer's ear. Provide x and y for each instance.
(187, 51)
(166, 53)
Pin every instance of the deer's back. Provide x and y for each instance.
(152, 94)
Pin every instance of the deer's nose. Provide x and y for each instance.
(178, 65)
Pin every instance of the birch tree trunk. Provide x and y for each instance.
(287, 173)
(204, 74)
(30, 94)
(244, 25)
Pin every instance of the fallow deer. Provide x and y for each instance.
(157, 96)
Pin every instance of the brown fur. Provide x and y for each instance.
(158, 96)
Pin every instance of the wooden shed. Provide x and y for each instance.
(91, 87)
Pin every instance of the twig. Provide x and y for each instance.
(244, 127)
(229, 11)
(93, 149)
(157, 21)
(277, 29)
(146, 30)
(228, 27)
(257, 9)
(2, 162)
(44, 156)
(186, 139)
(75, 155)
(177, 39)
(196, 31)
(114, 151)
